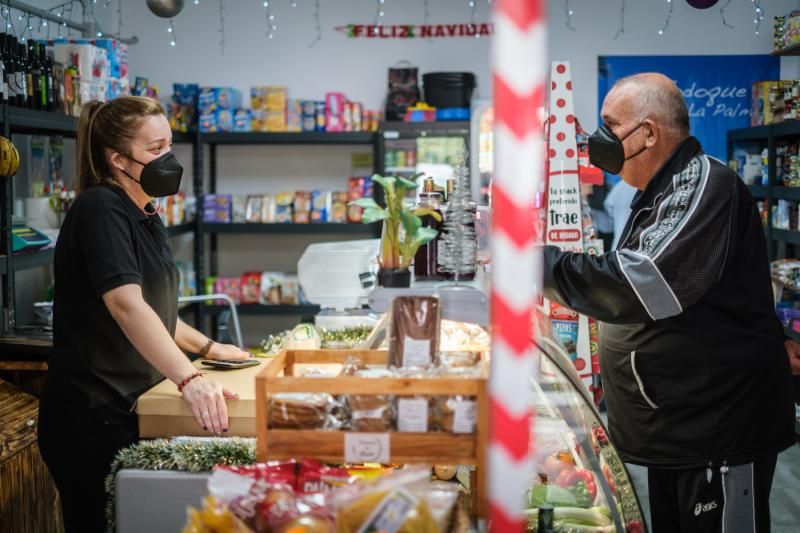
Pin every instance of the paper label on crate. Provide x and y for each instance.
(412, 415)
(367, 448)
(371, 414)
(465, 415)
(416, 352)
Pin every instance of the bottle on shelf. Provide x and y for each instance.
(48, 84)
(3, 81)
(11, 69)
(23, 53)
(36, 74)
(22, 86)
(426, 260)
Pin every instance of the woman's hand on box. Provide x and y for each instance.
(206, 398)
(222, 352)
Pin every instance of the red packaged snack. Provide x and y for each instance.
(231, 287)
(251, 287)
(282, 472)
(315, 477)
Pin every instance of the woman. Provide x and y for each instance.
(116, 326)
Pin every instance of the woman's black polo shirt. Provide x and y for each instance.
(106, 241)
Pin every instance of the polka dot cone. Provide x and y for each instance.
(563, 148)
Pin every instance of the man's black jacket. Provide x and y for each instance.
(691, 352)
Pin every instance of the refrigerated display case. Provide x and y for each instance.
(577, 469)
(482, 137)
(434, 148)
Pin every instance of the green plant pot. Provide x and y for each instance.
(397, 278)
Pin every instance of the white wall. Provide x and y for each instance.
(358, 68)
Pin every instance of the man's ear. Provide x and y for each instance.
(651, 132)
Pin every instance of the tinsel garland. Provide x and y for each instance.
(177, 455)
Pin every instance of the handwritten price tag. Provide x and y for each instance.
(367, 448)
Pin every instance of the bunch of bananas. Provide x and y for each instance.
(9, 158)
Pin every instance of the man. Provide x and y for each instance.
(696, 376)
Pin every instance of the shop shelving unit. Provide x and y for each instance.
(211, 141)
(770, 136)
(22, 121)
(17, 120)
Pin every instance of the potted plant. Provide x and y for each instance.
(403, 232)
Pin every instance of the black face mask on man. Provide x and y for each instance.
(159, 177)
(606, 150)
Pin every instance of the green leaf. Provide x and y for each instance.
(407, 183)
(411, 223)
(386, 183)
(372, 214)
(366, 203)
(424, 236)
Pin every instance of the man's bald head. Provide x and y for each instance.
(655, 96)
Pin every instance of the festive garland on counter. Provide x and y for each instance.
(177, 455)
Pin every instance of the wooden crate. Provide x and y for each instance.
(28, 497)
(406, 448)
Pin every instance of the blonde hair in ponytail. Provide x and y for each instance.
(108, 126)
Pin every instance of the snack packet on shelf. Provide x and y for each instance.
(415, 414)
(457, 414)
(371, 412)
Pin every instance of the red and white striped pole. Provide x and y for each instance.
(519, 63)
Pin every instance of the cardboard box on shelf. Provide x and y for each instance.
(163, 413)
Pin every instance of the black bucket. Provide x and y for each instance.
(449, 89)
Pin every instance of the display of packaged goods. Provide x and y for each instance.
(334, 111)
(251, 287)
(338, 212)
(268, 98)
(225, 120)
(268, 209)
(217, 208)
(270, 293)
(355, 191)
(211, 99)
(239, 209)
(302, 207)
(207, 123)
(414, 332)
(294, 115)
(358, 117)
(321, 202)
(786, 30)
(230, 287)
(242, 120)
(258, 120)
(321, 124)
(276, 121)
(254, 208)
(284, 203)
(290, 289)
(182, 109)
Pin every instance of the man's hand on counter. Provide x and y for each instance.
(222, 352)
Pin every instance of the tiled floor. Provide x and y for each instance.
(784, 501)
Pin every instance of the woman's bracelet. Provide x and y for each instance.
(207, 348)
(186, 381)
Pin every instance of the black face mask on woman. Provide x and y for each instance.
(159, 177)
(606, 151)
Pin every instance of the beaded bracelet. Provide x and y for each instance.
(207, 348)
(187, 380)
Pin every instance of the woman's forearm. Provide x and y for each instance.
(147, 333)
(189, 339)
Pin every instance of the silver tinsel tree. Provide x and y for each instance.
(458, 244)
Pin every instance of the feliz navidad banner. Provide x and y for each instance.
(414, 31)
